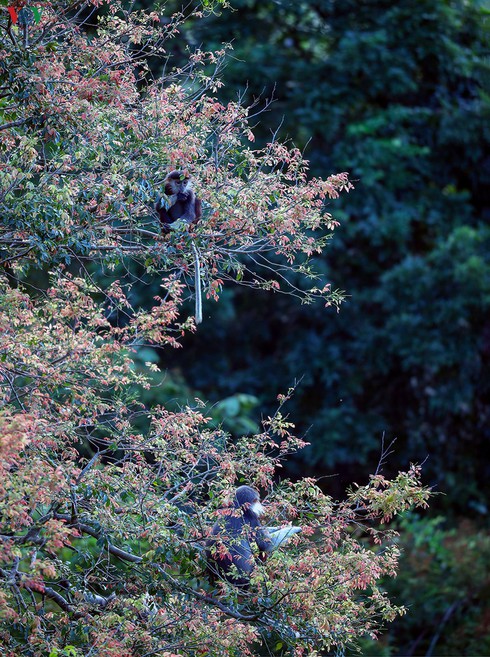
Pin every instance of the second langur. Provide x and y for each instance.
(182, 201)
(229, 552)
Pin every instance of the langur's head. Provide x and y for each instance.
(176, 182)
(248, 499)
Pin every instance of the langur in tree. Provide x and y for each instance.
(229, 552)
(182, 201)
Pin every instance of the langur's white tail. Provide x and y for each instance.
(197, 284)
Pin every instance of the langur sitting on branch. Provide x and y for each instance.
(182, 202)
(229, 550)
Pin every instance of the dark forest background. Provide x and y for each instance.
(398, 95)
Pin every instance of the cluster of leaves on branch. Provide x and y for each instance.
(106, 552)
(105, 504)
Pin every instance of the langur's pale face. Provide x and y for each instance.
(257, 508)
(176, 182)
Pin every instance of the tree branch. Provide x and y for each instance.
(13, 124)
(56, 597)
(86, 529)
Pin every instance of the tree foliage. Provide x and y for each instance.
(106, 502)
(444, 575)
(89, 153)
